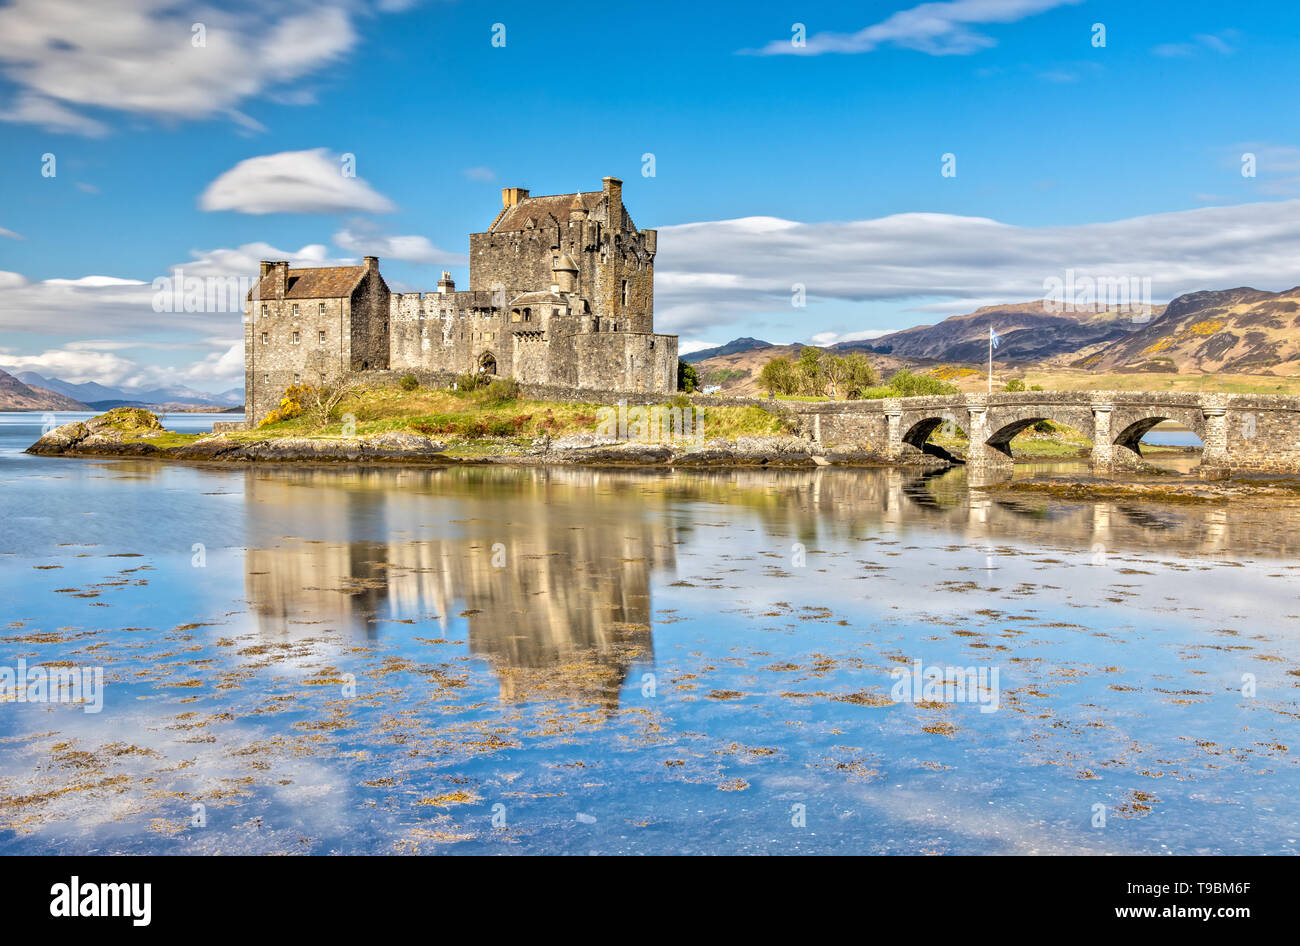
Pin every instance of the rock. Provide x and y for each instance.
(582, 441)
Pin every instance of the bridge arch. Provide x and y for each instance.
(920, 427)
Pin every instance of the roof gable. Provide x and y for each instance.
(322, 282)
(556, 206)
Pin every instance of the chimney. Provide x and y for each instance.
(445, 284)
(264, 268)
(512, 195)
(280, 278)
(613, 189)
(371, 262)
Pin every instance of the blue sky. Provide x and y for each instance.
(1124, 158)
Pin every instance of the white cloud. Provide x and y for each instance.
(940, 29)
(413, 249)
(139, 56)
(292, 182)
(29, 109)
(11, 234)
(823, 339)
(711, 274)
(1218, 42)
(480, 174)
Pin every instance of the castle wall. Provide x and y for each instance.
(273, 360)
(370, 320)
(626, 361)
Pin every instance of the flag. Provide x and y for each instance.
(993, 337)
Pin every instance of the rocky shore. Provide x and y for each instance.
(127, 433)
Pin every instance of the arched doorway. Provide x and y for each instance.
(487, 363)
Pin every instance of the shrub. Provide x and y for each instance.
(1015, 384)
(470, 382)
(409, 382)
(501, 391)
(907, 384)
(290, 405)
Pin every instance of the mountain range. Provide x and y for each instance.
(17, 396)
(1236, 331)
(90, 394)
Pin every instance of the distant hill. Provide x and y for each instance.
(103, 397)
(1231, 330)
(732, 347)
(1026, 331)
(17, 396)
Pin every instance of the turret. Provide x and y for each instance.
(564, 275)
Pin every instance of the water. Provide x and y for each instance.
(480, 660)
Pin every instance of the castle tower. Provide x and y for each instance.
(564, 275)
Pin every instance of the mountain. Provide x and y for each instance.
(732, 347)
(1231, 330)
(1026, 332)
(17, 396)
(103, 397)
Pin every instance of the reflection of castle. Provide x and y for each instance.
(556, 597)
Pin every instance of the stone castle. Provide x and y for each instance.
(561, 293)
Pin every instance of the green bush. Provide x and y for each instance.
(409, 382)
(1015, 384)
(501, 391)
(907, 384)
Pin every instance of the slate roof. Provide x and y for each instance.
(322, 282)
(539, 208)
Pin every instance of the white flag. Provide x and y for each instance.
(993, 337)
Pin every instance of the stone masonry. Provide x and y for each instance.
(1241, 433)
(561, 294)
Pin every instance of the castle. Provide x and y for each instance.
(561, 293)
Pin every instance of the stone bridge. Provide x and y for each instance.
(1242, 433)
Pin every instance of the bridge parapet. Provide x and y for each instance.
(1241, 432)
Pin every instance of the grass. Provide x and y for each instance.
(486, 415)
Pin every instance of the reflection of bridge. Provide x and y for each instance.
(1241, 432)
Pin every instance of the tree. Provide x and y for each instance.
(1015, 384)
(858, 375)
(778, 376)
(688, 379)
(810, 373)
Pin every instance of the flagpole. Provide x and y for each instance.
(990, 359)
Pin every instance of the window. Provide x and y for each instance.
(320, 309)
(296, 338)
(555, 261)
(624, 292)
(295, 310)
(322, 337)
(263, 311)
(297, 378)
(528, 315)
(266, 338)
(385, 326)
